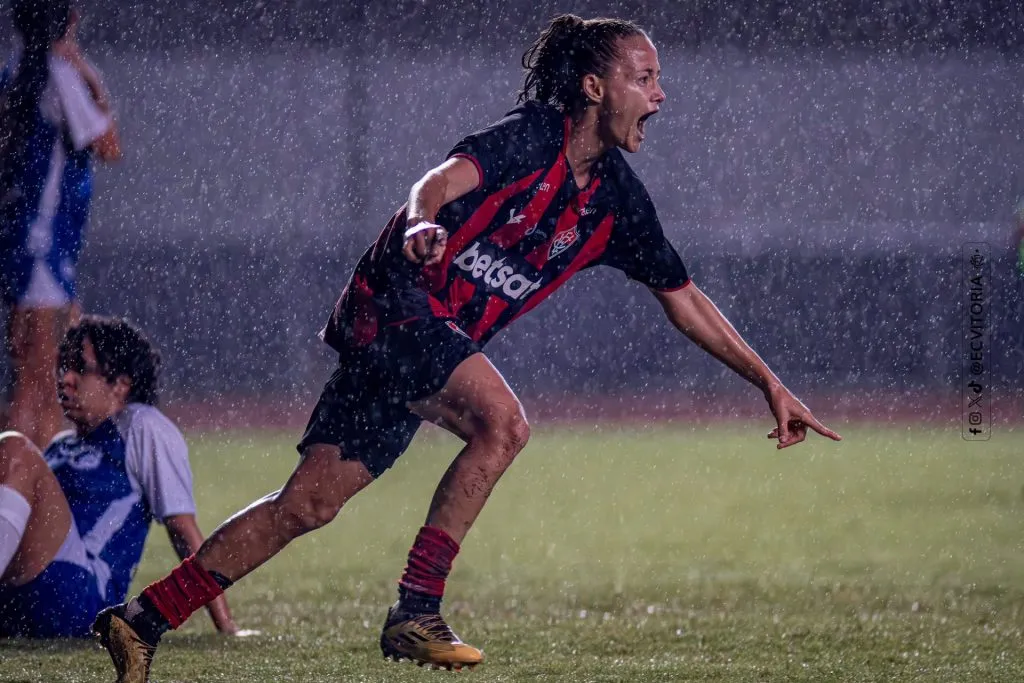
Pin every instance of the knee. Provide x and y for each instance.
(307, 511)
(18, 456)
(508, 428)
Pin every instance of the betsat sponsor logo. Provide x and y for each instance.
(496, 274)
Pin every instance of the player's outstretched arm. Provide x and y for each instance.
(107, 146)
(700, 320)
(186, 538)
(425, 241)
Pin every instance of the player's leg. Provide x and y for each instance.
(50, 588)
(314, 494)
(477, 405)
(320, 485)
(34, 514)
(325, 479)
(34, 334)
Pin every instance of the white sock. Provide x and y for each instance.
(14, 514)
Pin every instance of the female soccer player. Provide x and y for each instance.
(514, 212)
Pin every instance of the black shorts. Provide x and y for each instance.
(363, 407)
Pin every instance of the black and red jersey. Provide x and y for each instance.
(519, 236)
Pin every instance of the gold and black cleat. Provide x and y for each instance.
(131, 655)
(427, 640)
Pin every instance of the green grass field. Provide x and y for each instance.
(637, 555)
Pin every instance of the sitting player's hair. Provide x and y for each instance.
(121, 349)
(567, 50)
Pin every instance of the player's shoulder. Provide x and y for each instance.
(144, 418)
(618, 170)
(543, 122)
(624, 181)
(534, 110)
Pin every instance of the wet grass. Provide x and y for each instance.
(643, 555)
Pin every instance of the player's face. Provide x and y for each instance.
(86, 397)
(632, 94)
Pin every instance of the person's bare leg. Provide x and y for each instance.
(33, 337)
(312, 497)
(23, 470)
(479, 407)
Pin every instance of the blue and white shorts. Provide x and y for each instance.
(59, 603)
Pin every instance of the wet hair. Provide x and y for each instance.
(39, 22)
(567, 50)
(121, 349)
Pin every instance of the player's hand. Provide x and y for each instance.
(247, 633)
(221, 615)
(793, 419)
(425, 243)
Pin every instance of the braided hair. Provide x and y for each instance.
(567, 50)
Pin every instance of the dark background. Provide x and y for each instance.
(818, 164)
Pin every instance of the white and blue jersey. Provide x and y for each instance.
(41, 238)
(117, 479)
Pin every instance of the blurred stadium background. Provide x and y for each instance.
(818, 164)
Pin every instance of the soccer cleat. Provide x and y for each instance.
(131, 655)
(427, 640)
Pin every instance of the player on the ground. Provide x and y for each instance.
(516, 210)
(74, 520)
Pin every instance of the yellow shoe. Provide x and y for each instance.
(131, 655)
(427, 640)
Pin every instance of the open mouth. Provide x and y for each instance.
(643, 120)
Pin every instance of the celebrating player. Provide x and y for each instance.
(73, 521)
(510, 216)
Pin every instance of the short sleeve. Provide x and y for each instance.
(527, 138)
(85, 122)
(157, 458)
(638, 246)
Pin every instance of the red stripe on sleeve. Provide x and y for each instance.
(479, 168)
(364, 311)
(676, 289)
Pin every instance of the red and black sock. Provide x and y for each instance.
(430, 560)
(167, 603)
